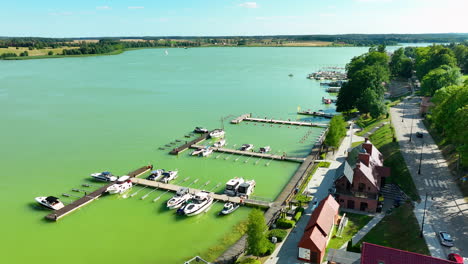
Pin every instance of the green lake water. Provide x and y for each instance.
(62, 119)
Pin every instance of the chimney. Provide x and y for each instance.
(364, 158)
(366, 139)
(368, 147)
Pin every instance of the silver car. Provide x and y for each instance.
(445, 239)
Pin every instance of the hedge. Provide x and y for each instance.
(299, 209)
(280, 234)
(297, 216)
(249, 261)
(270, 248)
(284, 223)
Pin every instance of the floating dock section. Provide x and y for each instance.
(187, 145)
(313, 113)
(219, 197)
(247, 117)
(88, 198)
(252, 154)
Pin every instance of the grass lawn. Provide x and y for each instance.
(367, 124)
(398, 230)
(357, 143)
(355, 223)
(383, 140)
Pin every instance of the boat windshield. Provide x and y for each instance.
(242, 189)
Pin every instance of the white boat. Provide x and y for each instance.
(155, 175)
(123, 184)
(50, 202)
(200, 130)
(181, 197)
(169, 176)
(220, 143)
(232, 185)
(166, 52)
(197, 152)
(206, 152)
(229, 208)
(247, 147)
(198, 204)
(246, 189)
(265, 149)
(217, 133)
(104, 176)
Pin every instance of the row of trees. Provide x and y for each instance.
(336, 131)
(367, 76)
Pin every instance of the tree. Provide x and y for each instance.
(430, 58)
(336, 131)
(400, 64)
(257, 242)
(439, 78)
(50, 53)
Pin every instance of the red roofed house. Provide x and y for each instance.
(359, 179)
(318, 231)
(375, 254)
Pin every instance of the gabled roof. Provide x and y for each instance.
(366, 171)
(375, 254)
(345, 170)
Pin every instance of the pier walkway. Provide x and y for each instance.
(219, 197)
(247, 117)
(252, 154)
(313, 113)
(187, 145)
(88, 198)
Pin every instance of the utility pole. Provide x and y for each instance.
(424, 215)
(411, 131)
(420, 158)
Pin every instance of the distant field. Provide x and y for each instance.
(307, 44)
(34, 52)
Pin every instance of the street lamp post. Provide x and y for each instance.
(424, 215)
(420, 158)
(411, 130)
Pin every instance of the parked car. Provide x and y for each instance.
(445, 239)
(419, 134)
(455, 258)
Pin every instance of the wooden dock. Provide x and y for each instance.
(88, 198)
(241, 118)
(187, 145)
(313, 113)
(219, 197)
(252, 154)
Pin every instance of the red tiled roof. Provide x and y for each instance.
(375, 254)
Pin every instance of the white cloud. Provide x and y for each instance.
(136, 7)
(249, 5)
(103, 7)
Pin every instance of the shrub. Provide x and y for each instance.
(303, 198)
(299, 209)
(280, 234)
(297, 216)
(249, 261)
(284, 223)
(270, 248)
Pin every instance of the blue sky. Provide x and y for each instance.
(93, 18)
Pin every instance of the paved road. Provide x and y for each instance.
(446, 208)
(286, 252)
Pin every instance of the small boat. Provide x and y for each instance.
(217, 133)
(181, 197)
(166, 52)
(199, 203)
(326, 100)
(200, 130)
(155, 175)
(265, 149)
(232, 185)
(206, 152)
(290, 75)
(220, 143)
(50, 202)
(247, 147)
(229, 208)
(246, 189)
(123, 184)
(197, 152)
(104, 176)
(168, 176)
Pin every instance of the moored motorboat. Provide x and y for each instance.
(104, 176)
(232, 185)
(198, 204)
(50, 202)
(220, 143)
(169, 176)
(197, 152)
(155, 175)
(229, 208)
(200, 130)
(246, 189)
(123, 184)
(206, 152)
(217, 133)
(246, 147)
(181, 197)
(265, 149)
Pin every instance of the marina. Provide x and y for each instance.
(88, 198)
(247, 117)
(187, 145)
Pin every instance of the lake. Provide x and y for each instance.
(63, 119)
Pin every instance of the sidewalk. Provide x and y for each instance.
(361, 233)
(286, 251)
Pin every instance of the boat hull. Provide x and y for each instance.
(200, 210)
